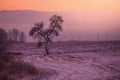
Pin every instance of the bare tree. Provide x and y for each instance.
(22, 37)
(15, 35)
(9, 36)
(45, 35)
(3, 39)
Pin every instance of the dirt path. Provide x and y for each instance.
(79, 66)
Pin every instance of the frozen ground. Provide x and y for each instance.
(74, 60)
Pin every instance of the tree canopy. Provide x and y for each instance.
(45, 35)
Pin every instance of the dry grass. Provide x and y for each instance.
(14, 69)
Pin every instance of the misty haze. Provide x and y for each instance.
(79, 25)
(59, 39)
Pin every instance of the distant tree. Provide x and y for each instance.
(3, 36)
(22, 37)
(15, 35)
(44, 36)
(10, 36)
(3, 39)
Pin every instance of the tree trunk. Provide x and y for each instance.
(46, 48)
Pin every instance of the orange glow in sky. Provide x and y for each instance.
(59, 5)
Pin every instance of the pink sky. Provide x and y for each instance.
(97, 16)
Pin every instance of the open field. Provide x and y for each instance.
(72, 60)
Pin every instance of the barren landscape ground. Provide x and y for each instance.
(72, 60)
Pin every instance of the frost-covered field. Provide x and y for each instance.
(73, 60)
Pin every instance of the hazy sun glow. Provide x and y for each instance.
(59, 5)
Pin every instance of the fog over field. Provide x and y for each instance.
(78, 25)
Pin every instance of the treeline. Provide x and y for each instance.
(13, 35)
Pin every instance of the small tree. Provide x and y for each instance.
(3, 39)
(15, 35)
(9, 36)
(22, 37)
(45, 35)
(3, 36)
